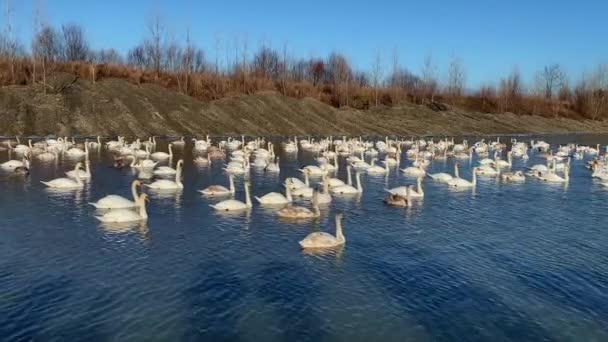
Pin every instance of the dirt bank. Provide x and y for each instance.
(110, 107)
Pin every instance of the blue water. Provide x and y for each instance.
(505, 262)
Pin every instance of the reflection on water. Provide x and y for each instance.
(504, 261)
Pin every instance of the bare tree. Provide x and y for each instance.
(511, 90)
(154, 46)
(429, 78)
(46, 45)
(76, 47)
(552, 79)
(338, 73)
(9, 45)
(267, 63)
(456, 77)
(377, 76)
(108, 56)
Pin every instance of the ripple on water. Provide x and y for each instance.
(500, 262)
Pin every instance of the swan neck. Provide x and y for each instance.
(247, 196)
(288, 194)
(231, 180)
(359, 188)
(134, 192)
(142, 209)
(339, 233)
(350, 177)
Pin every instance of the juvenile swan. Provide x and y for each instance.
(302, 212)
(325, 240)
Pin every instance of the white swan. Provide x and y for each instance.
(273, 167)
(376, 169)
(458, 182)
(163, 155)
(13, 164)
(323, 239)
(276, 198)
(127, 215)
(165, 184)
(414, 171)
(349, 189)
(303, 191)
(234, 205)
(180, 142)
(408, 190)
(86, 174)
(219, 190)
(325, 196)
(76, 152)
(66, 183)
(164, 171)
(442, 176)
(119, 202)
(552, 177)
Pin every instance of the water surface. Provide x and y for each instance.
(506, 262)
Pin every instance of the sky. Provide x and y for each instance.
(491, 37)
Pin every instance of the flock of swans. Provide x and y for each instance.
(240, 156)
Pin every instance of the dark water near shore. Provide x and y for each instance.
(517, 262)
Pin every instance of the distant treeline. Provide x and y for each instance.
(182, 66)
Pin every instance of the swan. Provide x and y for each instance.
(276, 198)
(119, 202)
(296, 183)
(164, 171)
(296, 212)
(233, 205)
(513, 176)
(76, 152)
(66, 183)
(334, 182)
(314, 170)
(349, 189)
(13, 164)
(201, 161)
(552, 177)
(86, 174)
(325, 196)
(397, 200)
(458, 182)
(127, 215)
(95, 144)
(444, 177)
(47, 156)
(419, 192)
(325, 240)
(273, 167)
(165, 184)
(218, 190)
(507, 163)
(405, 191)
(487, 170)
(163, 155)
(378, 170)
(180, 142)
(414, 171)
(146, 164)
(303, 191)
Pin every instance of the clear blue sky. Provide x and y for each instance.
(490, 36)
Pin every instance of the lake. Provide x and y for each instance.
(502, 262)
